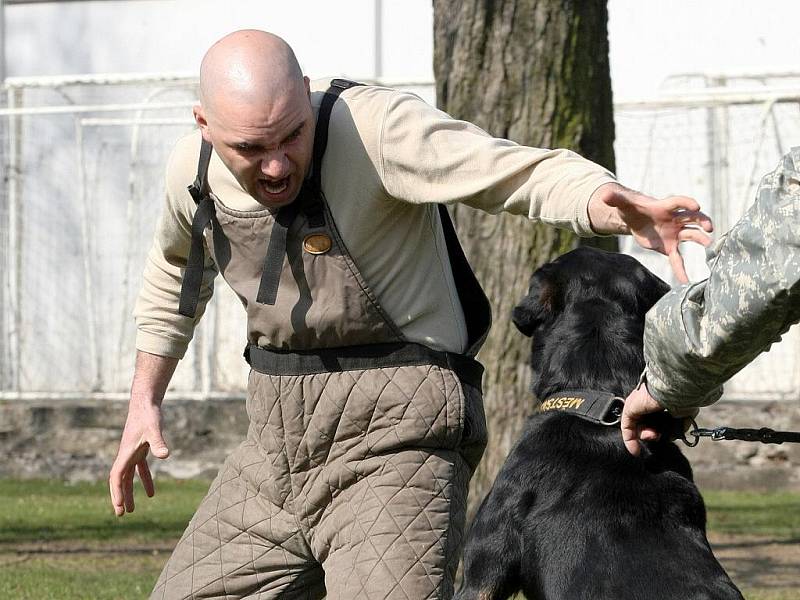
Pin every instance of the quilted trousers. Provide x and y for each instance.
(350, 484)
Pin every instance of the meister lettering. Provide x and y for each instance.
(563, 403)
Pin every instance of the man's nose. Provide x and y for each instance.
(275, 165)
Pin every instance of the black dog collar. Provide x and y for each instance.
(601, 408)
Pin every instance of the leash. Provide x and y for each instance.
(603, 408)
(765, 435)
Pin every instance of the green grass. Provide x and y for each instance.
(68, 577)
(775, 515)
(47, 511)
(62, 542)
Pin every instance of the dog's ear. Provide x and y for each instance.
(539, 304)
(650, 289)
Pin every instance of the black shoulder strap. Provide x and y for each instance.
(476, 307)
(321, 132)
(199, 186)
(474, 303)
(195, 263)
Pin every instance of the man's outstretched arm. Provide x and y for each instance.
(142, 430)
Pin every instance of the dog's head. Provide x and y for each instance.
(585, 312)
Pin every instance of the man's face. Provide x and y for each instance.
(267, 146)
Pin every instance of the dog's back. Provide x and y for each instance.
(572, 515)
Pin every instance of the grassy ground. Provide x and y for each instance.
(776, 515)
(62, 542)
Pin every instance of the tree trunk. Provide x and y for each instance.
(536, 72)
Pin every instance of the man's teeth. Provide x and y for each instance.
(276, 187)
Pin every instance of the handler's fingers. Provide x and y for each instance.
(631, 441)
(676, 262)
(649, 434)
(146, 477)
(630, 434)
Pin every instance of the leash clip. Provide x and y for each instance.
(716, 434)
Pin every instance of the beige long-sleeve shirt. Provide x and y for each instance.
(390, 156)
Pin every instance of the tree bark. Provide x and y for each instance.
(535, 72)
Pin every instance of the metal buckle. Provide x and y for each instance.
(615, 411)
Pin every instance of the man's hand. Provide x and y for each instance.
(142, 432)
(658, 225)
(638, 404)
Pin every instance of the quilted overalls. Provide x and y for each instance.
(352, 481)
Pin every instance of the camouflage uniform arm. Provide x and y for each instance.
(698, 336)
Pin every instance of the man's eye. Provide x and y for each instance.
(294, 135)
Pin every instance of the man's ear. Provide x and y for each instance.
(540, 303)
(200, 118)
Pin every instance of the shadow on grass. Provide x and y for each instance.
(757, 543)
(145, 529)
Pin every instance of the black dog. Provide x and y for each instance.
(572, 515)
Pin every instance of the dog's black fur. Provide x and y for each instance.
(572, 515)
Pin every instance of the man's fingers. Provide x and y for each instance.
(116, 495)
(683, 203)
(676, 262)
(693, 217)
(146, 477)
(127, 491)
(157, 445)
(692, 234)
(704, 221)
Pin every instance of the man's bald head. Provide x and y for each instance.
(255, 109)
(247, 67)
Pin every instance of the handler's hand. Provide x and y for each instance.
(142, 433)
(661, 225)
(638, 404)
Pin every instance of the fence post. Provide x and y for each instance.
(717, 123)
(14, 278)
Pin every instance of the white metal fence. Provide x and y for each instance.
(82, 184)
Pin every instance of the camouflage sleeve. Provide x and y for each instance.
(698, 336)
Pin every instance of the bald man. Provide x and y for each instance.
(323, 208)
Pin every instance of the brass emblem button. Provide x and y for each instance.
(317, 243)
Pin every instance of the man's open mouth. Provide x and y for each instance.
(275, 187)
